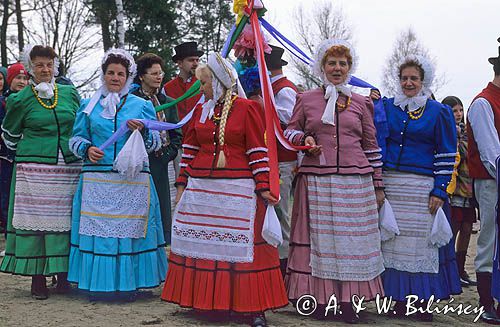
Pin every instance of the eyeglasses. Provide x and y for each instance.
(157, 74)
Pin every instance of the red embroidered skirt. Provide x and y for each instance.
(217, 285)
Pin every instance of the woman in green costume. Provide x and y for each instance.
(148, 81)
(38, 125)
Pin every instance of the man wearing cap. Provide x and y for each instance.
(17, 79)
(284, 96)
(483, 128)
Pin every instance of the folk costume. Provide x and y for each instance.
(285, 93)
(37, 125)
(421, 149)
(117, 242)
(483, 129)
(218, 259)
(159, 160)
(335, 241)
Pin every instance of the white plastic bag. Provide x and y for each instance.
(130, 161)
(271, 230)
(387, 222)
(441, 233)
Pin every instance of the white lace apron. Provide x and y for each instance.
(44, 195)
(343, 224)
(114, 206)
(214, 220)
(409, 197)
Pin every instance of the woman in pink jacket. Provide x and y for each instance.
(335, 240)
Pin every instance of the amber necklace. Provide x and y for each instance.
(217, 118)
(416, 114)
(43, 104)
(342, 106)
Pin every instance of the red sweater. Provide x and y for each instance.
(175, 89)
(244, 146)
(476, 168)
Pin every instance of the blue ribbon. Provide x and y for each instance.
(151, 124)
(225, 48)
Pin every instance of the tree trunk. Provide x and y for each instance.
(119, 24)
(3, 33)
(20, 26)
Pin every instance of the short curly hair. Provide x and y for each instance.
(337, 51)
(412, 63)
(146, 61)
(114, 59)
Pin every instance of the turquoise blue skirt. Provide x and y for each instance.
(99, 264)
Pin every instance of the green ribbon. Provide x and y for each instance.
(191, 92)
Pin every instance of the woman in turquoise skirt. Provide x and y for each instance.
(117, 242)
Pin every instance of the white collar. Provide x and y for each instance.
(277, 77)
(45, 90)
(413, 103)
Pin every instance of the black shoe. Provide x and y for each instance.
(348, 315)
(259, 321)
(39, 290)
(464, 282)
(490, 317)
(465, 278)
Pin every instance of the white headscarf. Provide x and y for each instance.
(332, 91)
(45, 90)
(421, 98)
(224, 78)
(112, 99)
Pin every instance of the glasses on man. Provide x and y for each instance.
(157, 74)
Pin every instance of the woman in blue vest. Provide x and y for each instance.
(420, 154)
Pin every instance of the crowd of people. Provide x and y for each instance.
(360, 215)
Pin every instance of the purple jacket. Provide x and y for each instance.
(349, 147)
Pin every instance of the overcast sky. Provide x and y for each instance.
(460, 34)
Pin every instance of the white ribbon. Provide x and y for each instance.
(412, 103)
(332, 94)
(109, 102)
(208, 110)
(45, 90)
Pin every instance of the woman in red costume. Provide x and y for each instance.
(219, 260)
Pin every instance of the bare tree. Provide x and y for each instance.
(120, 26)
(65, 27)
(324, 21)
(407, 43)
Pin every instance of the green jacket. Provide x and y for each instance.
(36, 133)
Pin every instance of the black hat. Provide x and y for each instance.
(495, 60)
(186, 49)
(273, 59)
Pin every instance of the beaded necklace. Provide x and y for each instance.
(345, 106)
(43, 104)
(416, 114)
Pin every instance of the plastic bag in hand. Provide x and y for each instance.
(130, 161)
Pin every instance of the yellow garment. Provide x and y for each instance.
(238, 9)
(453, 183)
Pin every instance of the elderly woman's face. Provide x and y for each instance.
(153, 77)
(115, 77)
(206, 86)
(336, 69)
(410, 81)
(43, 69)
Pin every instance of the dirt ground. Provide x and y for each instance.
(17, 308)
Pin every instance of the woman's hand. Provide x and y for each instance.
(266, 195)
(434, 204)
(95, 154)
(374, 94)
(133, 124)
(316, 149)
(180, 190)
(380, 196)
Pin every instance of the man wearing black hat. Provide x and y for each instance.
(284, 96)
(186, 57)
(483, 127)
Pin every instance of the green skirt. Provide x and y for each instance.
(30, 252)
